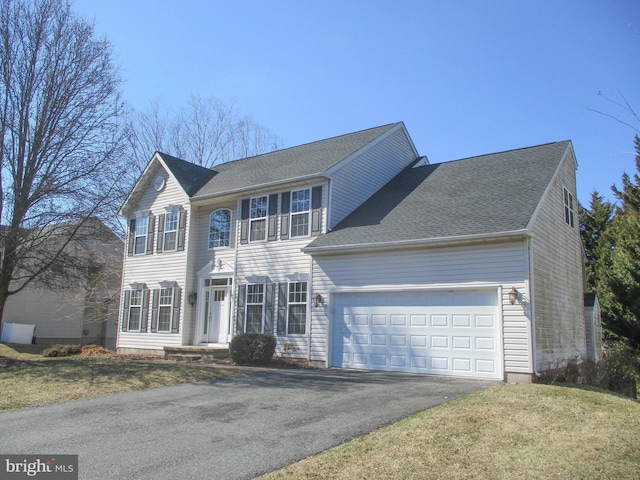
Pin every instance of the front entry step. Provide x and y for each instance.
(196, 353)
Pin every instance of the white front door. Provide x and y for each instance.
(215, 325)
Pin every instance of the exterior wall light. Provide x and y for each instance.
(193, 297)
(317, 300)
(513, 295)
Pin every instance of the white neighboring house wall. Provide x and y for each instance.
(498, 265)
(558, 273)
(154, 269)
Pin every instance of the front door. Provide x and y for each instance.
(216, 315)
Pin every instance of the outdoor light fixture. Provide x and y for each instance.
(193, 296)
(513, 295)
(317, 299)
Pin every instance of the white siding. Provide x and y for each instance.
(157, 267)
(558, 275)
(364, 175)
(498, 266)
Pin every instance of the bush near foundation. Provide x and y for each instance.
(252, 348)
(62, 351)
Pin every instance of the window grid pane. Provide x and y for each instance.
(255, 299)
(165, 309)
(300, 205)
(170, 230)
(135, 310)
(141, 235)
(219, 229)
(297, 309)
(258, 214)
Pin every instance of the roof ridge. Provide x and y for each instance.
(504, 151)
(308, 143)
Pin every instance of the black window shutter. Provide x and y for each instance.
(125, 310)
(182, 229)
(316, 210)
(272, 232)
(154, 311)
(244, 221)
(160, 233)
(282, 309)
(150, 232)
(144, 313)
(284, 221)
(242, 292)
(270, 294)
(175, 318)
(132, 236)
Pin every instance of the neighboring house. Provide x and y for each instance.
(85, 313)
(363, 255)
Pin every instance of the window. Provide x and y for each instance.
(165, 309)
(300, 206)
(170, 230)
(135, 310)
(297, 308)
(258, 219)
(140, 242)
(255, 302)
(219, 228)
(568, 207)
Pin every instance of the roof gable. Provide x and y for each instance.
(190, 177)
(481, 195)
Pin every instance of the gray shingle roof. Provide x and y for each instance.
(191, 177)
(480, 195)
(288, 164)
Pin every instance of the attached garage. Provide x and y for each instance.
(453, 333)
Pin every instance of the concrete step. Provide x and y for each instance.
(196, 353)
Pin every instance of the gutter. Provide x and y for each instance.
(428, 242)
(312, 176)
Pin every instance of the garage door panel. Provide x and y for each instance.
(395, 332)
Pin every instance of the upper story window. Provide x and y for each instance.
(141, 232)
(300, 208)
(258, 219)
(568, 207)
(219, 228)
(170, 230)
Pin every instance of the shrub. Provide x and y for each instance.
(92, 350)
(62, 351)
(252, 348)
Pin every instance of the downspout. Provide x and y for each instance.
(532, 309)
(234, 288)
(310, 303)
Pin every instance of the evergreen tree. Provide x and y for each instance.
(623, 279)
(596, 238)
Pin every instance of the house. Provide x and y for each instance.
(84, 310)
(363, 255)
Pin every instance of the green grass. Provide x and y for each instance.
(508, 432)
(29, 379)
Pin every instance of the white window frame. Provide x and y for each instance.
(142, 223)
(297, 298)
(162, 306)
(225, 235)
(300, 213)
(254, 210)
(133, 295)
(250, 303)
(173, 213)
(569, 212)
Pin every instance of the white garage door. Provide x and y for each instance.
(442, 333)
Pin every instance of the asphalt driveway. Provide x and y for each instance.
(235, 428)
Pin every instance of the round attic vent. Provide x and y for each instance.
(159, 183)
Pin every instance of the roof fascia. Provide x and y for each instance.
(429, 242)
(536, 212)
(332, 170)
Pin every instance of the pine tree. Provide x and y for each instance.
(623, 278)
(596, 238)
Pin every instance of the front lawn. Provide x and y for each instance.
(509, 432)
(29, 379)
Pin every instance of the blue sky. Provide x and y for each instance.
(466, 77)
